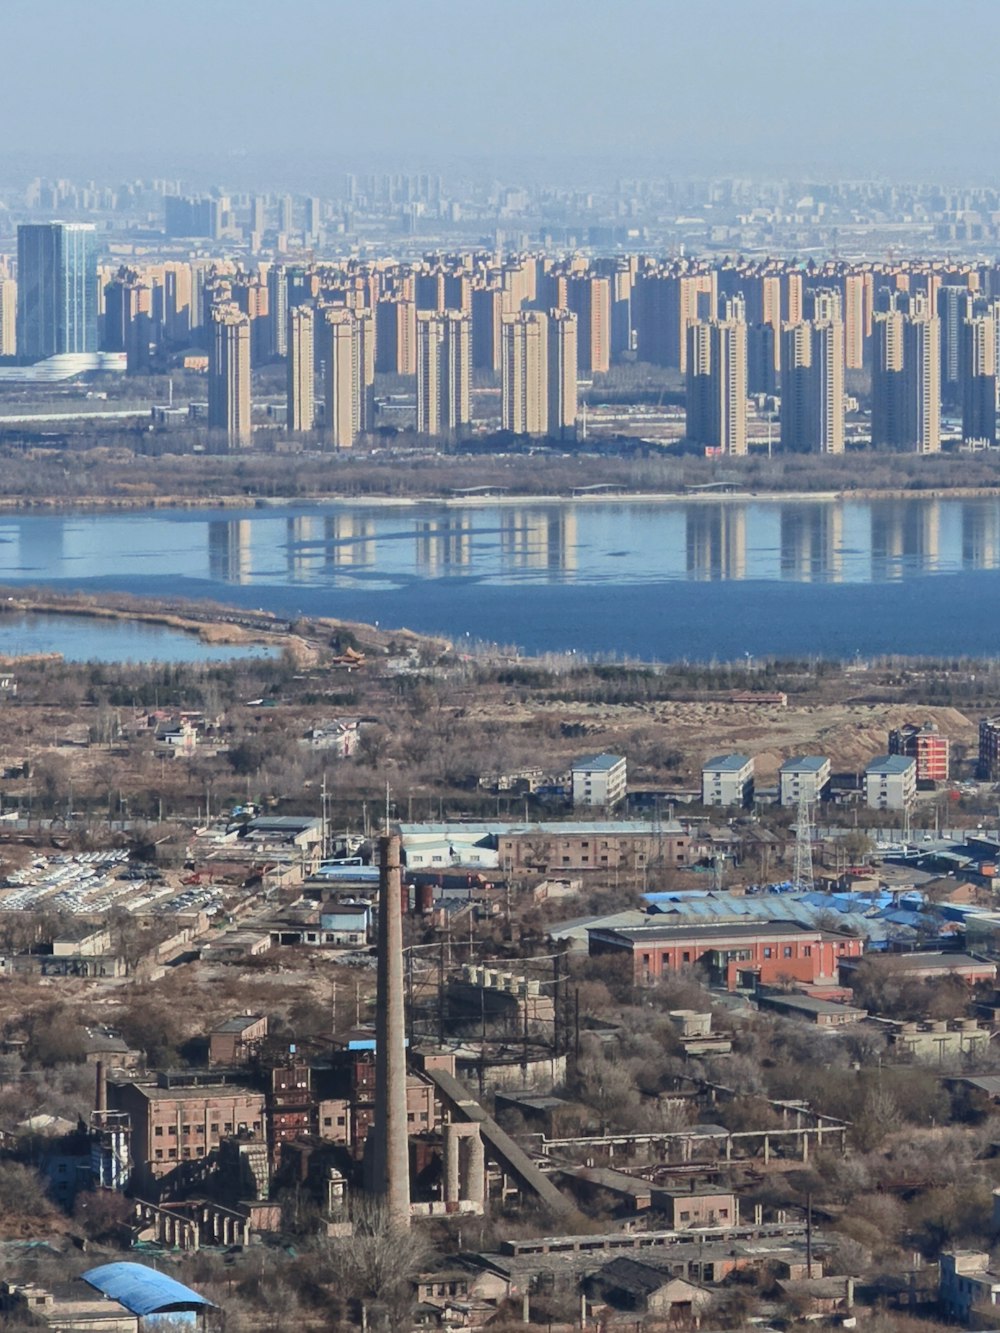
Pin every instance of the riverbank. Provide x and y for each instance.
(308, 643)
(506, 499)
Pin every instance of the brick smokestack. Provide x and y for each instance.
(101, 1089)
(391, 1154)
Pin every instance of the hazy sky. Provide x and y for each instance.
(906, 88)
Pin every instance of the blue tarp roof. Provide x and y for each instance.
(864, 913)
(142, 1290)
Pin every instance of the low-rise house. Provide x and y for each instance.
(235, 1040)
(824, 1013)
(644, 1287)
(173, 739)
(687, 1210)
(814, 1297)
(968, 1283)
(338, 737)
(925, 965)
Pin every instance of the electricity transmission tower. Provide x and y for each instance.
(803, 877)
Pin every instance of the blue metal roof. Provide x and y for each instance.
(726, 763)
(142, 1290)
(890, 763)
(806, 763)
(861, 914)
(598, 763)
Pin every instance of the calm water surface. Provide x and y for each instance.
(660, 580)
(82, 639)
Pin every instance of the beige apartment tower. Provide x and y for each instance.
(396, 336)
(8, 317)
(978, 378)
(444, 372)
(301, 369)
(349, 359)
(717, 385)
(229, 375)
(906, 377)
(525, 373)
(589, 298)
(812, 380)
(563, 393)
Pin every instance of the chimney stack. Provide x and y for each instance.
(101, 1091)
(391, 1151)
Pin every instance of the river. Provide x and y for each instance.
(701, 579)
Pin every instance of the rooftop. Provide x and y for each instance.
(602, 763)
(727, 763)
(890, 763)
(238, 1024)
(719, 930)
(552, 828)
(143, 1290)
(806, 763)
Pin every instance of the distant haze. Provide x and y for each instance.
(247, 91)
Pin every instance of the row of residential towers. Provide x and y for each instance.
(905, 370)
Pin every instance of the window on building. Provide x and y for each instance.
(767, 951)
(808, 951)
(158, 1132)
(172, 1129)
(787, 951)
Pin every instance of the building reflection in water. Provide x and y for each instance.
(905, 533)
(305, 546)
(716, 538)
(544, 539)
(980, 535)
(812, 542)
(229, 550)
(349, 541)
(444, 543)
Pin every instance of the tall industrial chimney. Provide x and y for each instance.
(101, 1088)
(391, 1154)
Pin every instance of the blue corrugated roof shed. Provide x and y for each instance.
(861, 915)
(143, 1290)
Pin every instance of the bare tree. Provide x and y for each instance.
(377, 1264)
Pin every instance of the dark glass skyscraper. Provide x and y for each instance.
(57, 289)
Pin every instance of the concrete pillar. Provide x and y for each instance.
(729, 1147)
(452, 1172)
(805, 1146)
(391, 1163)
(767, 1149)
(476, 1189)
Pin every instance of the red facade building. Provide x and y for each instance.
(739, 955)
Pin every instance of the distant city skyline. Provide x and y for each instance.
(672, 89)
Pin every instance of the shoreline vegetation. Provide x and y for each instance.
(109, 479)
(211, 622)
